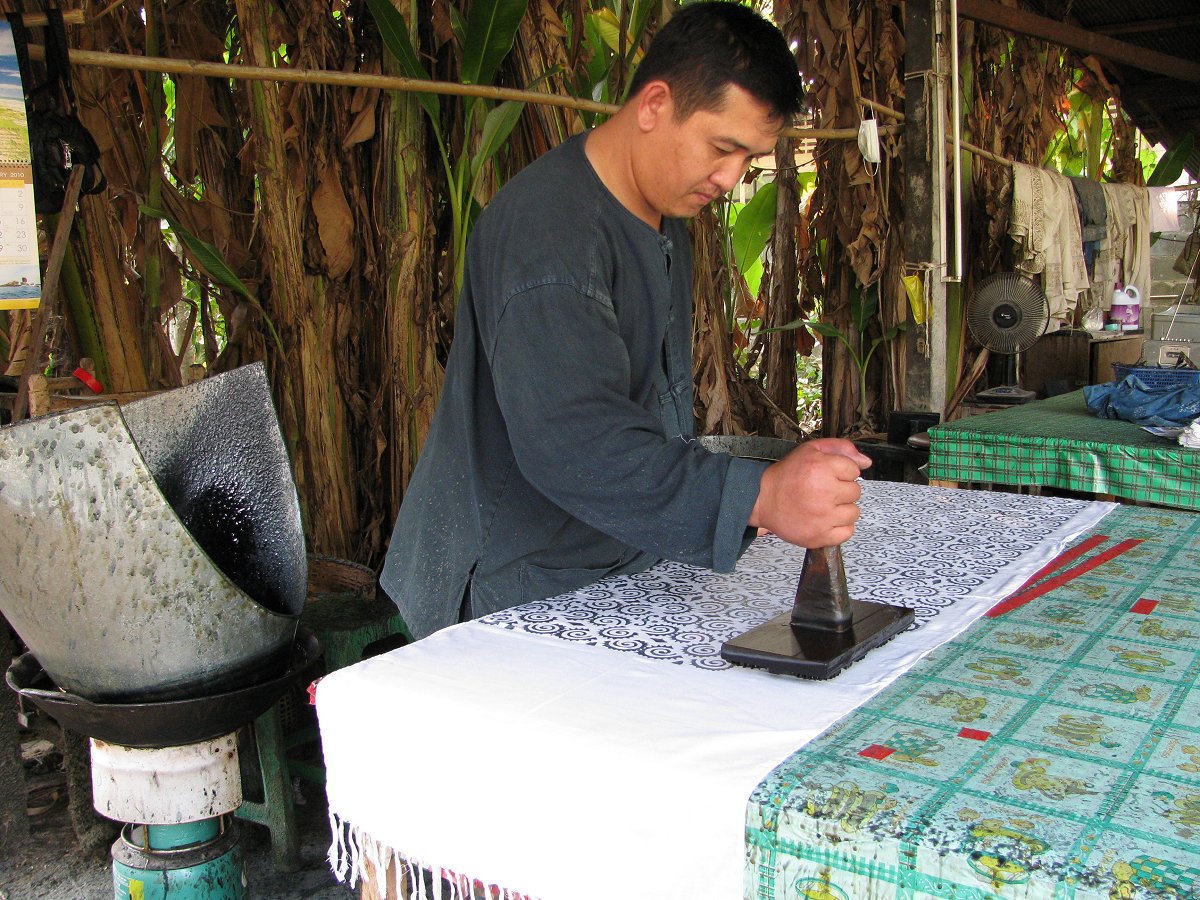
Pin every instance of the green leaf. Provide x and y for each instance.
(826, 330)
(1170, 167)
(637, 21)
(496, 128)
(863, 305)
(604, 27)
(394, 31)
(491, 29)
(207, 258)
(204, 253)
(458, 27)
(753, 227)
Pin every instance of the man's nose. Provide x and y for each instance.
(728, 174)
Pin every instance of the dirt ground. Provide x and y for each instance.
(55, 864)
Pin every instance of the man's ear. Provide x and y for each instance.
(655, 104)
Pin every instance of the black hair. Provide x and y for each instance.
(706, 46)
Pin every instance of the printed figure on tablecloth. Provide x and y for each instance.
(966, 708)
(818, 889)
(1063, 614)
(1154, 628)
(1094, 593)
(1034, 775)
(1114, 693)
(1029, 639)
(1000, 668)
(1183, 811)
(1181, 604)
(850, 805)
(914, 747)
(999, 870)
(1082, 731)
(1160, 876)
(1194, 765)
(1003, 850)
(1139, 660)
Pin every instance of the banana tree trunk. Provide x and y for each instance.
(306, 306)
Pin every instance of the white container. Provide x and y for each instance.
(168, 785)
(1126, 309)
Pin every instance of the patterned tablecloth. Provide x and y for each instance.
(1053, 750)
(595, 745)
(1059, 443)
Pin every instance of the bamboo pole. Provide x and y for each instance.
(966, 145)
(41, 20)
(164, 65)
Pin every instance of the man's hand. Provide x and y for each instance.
(810, 497)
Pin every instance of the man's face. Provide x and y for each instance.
(689, 163)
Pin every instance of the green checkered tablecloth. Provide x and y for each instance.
(1051, 751)
(1059, 443)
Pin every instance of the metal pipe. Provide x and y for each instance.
(939, 149)
(956, 126)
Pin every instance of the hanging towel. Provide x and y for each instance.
(1045, 226)
(1164, 209)
(1125, 258)
(1093, 218)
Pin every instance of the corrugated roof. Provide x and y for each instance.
(1165, 108)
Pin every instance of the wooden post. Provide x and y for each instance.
(58, 249)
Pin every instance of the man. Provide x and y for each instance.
(562, 449)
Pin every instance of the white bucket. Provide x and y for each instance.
(1126, 309)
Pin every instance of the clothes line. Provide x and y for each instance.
(966, 145)
(164, 65)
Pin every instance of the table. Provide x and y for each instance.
(1050, 751)
(595, 745)
(1059, 443)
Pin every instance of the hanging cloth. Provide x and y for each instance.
(1125, 258)
(1093, 218)
(1045, 225)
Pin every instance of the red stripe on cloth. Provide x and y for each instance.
(1144, 606)
(877, 751)
(1020, 598)
(974, 734)
(1067, 556)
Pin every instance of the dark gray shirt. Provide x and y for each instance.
(562, 447)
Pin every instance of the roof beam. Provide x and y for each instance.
(1145, 26)
(1075, 38)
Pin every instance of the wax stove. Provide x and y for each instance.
(156, 574)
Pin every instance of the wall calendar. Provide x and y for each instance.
(20, 274)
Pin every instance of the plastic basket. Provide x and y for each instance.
(1158, 377)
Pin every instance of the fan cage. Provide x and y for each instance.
(1008, 312)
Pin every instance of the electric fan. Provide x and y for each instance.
(1007, 313)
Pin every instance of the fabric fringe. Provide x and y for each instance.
(353, 851)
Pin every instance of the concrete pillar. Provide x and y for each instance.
(924, 245)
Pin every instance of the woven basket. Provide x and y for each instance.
(1158, 377)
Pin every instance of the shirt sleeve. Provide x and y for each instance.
(563, 382)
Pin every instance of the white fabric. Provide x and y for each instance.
(1164, 209)
(570, 772)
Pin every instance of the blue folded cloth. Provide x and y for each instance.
(1133, 401)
